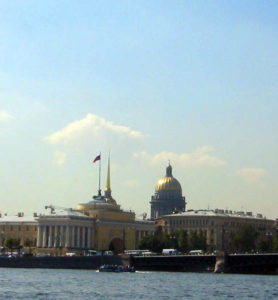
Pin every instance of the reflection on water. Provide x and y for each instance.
(89, 284)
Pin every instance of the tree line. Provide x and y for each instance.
(180, 239)
(246, 239)
(14, 244)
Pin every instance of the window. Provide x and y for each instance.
(19, 228)
(11, 228)
(27, 228)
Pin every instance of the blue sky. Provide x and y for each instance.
(190, 81)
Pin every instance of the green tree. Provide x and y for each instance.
(151, 242)
(264, 246)
(28, 243)
(12, 243)
(158, 242)
(275, 243)
(193, 240)
(201, 240)
(245, 239)
(182, 241)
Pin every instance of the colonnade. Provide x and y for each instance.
(65, 236)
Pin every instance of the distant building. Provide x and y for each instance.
(18, 226)
(168, 196)
(218, 226)
(99, 224)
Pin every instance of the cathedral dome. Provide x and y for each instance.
(167, 197)
(168, 183)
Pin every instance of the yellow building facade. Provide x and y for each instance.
(19, 227)
(99, 224)
(218, 226)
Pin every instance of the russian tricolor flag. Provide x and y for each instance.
(96, 159)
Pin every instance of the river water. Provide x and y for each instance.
(89, 284)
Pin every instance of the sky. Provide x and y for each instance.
(193, 82)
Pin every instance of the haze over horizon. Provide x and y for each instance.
(190, 82)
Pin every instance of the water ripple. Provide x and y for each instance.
(44, 284)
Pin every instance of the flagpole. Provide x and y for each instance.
(99, 171)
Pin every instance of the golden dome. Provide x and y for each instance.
(168, 183)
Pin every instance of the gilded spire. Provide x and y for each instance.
(108, 187)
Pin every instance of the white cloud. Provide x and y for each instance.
(92, 126)
(252, 175)
(4, 116)
(200, 157)
(60, 158)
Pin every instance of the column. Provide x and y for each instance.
(83, 237)
(72, 237)
(61, 236)
(39, 236)
(50, 237)
(78, 236)
(67, 236)
(93, 237)
(44, 237)
(56, 237)
(89, 238)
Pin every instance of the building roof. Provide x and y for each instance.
(65, 213)
(17, 219)
(217, 213)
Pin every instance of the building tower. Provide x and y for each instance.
(168, 196)
(108, 193)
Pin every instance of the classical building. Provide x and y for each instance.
(65, 229)
(19, 226)
(168, 196)
(218, 226)
(99, 224)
